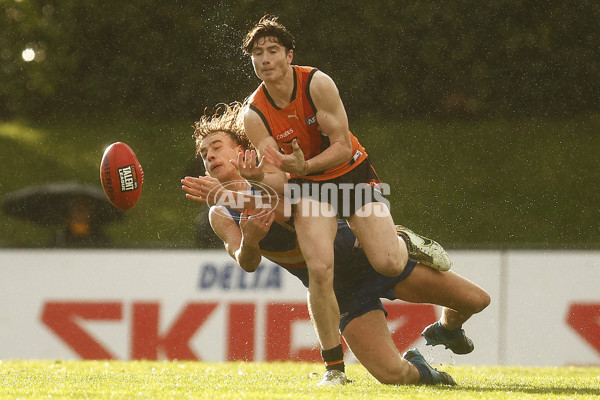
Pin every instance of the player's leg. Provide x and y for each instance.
(369, 338)
(460, 298)
(374, 228)
(316, 232)
(368, 215)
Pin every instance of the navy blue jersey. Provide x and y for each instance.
(358, 287)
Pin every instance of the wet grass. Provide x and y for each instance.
(197, 380)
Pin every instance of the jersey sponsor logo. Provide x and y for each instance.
(284, 134)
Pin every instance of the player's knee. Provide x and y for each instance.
(483, 300)
(479, 301)
(389, 266)
(320, 274)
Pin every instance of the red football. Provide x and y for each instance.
(121, 175)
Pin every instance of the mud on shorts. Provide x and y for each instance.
(347, 193)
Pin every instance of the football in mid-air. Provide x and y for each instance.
(121, 175)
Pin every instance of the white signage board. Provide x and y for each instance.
(199, 305)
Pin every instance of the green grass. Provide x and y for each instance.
(527, 183)
(71, 151)
(197, 380)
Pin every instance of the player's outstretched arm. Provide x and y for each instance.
(333, 122)
(202, 189)
(209, 190)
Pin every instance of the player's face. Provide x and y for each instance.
(216, 151)
(271, 60)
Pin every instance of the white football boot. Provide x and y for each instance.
(426, 251)
(333, 378)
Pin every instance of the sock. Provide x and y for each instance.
(334, 358)
(450, 332)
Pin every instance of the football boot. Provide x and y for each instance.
(455, 340)
(429, 375)
(425, 251)
(333, 377)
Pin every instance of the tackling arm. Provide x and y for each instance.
(333, 122)
(266, 172)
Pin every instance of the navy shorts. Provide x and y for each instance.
(358, 287)
(359, 293)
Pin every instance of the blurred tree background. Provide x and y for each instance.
(423, 58)
(478, 112)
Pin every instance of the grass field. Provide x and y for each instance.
(194, 380)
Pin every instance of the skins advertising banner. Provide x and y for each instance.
(199, 305)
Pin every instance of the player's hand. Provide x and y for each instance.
(292, 163)
(255, 224)
(248, 167)
(202, 189)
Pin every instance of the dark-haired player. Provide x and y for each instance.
(298, 110)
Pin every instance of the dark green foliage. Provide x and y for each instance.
(425, 58)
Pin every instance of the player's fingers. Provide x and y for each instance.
(253, 158)
(297, 150)
(268, 150)
(273, 156)
(188, 187)
(265, 159)
(261, 164)
(188, 181)
(270, 219)
(198, 199)
(247, 159)
(195, 182)
(244, 216)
